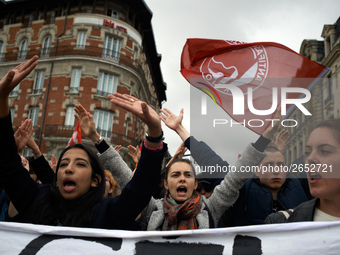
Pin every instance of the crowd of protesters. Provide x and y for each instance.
(86, 189)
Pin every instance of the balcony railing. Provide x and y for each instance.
(36, 131)
(72, 50)
(45, 52)
(60, 131)
(103, 93)
(37, 91)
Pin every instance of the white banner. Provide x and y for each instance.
(292, 238)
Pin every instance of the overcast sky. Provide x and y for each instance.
(288, 22)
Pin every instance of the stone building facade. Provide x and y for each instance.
(325, 96)
(87, 49)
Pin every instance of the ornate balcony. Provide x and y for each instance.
(60, 131)
(71, 50)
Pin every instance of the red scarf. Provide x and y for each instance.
(181, 216)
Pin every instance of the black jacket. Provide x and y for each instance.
(255, 202)
(304, 212)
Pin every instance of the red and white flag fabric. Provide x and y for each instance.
(76, 136)
(249, 80)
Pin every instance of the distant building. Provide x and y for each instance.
(88, 49)
(325, 101)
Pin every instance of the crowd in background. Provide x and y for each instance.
(98, 189)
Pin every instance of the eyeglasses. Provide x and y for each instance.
(107, 178)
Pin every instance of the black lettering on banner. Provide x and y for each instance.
(178, 248)
(37, 244)
(247, 245)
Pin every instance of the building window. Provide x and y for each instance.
(81, 39)
(69, 120)
(103, 120)
(111, 48)
(75, 80)
(15, 91)
(135, 54)
(107, 84)
(112, 13)
(23, 49)
(33, 115)
(39, 82)
(12, 111)
(46, 47)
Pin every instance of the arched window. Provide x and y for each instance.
(46, 46)
(23, 49)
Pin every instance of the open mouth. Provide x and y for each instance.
(181, 190)
(69, 185)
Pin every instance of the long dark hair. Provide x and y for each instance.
(77, 212)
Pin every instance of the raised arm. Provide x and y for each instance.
(87, 123)
(147, 176)
(141, 110)
(11, 80)
(134, 153)
(111, 159)
(174, 122)
(23, 134)
(200, 151)
(179, 153)
(280, 139)
(14, 178)
(226, 194)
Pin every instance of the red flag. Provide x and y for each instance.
(76, 136)
(248, 80)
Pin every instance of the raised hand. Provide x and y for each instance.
(23, 134)
(280, 139)
(174, 122)
(118, 148)
(179, 153)
(134, 153)
(274, 126)
(141, 109)
(16, 75)
(12, 79)
(170, 119)
(86, 122)
(54, 163)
